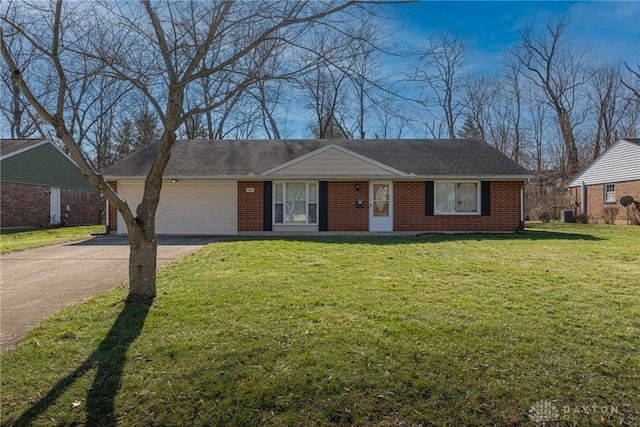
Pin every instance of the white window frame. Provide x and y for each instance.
(284, 204)
(435, 198)
(610, 195)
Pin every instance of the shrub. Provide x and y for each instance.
(545, 195)
(544, 216)
(581, 218)
(609, 214)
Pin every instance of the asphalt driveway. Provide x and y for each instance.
(38, 282)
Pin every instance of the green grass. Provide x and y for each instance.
(440, 330)
(12, 240)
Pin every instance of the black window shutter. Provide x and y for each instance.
(323, 206)
(429, 198)
(485, 198)
(267, 208)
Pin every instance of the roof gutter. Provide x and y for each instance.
(325, 177)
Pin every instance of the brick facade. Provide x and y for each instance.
(409, 210)
(24, 205)
(595, 198)
(112, 213)
(83, 206)
(250, 205)
(343, 214)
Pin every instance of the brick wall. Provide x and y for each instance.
(409, 210)
(113, 212)
(84, 207)
(250, 206)
(595, 198)
(343, 214)
(24, 205)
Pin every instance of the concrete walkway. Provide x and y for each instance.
(39, 282)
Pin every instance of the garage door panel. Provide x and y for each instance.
(190, 207)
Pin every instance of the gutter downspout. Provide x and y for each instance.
(106, 221)
(521, 227)
(583, 198)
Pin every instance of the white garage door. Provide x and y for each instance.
(188, 207)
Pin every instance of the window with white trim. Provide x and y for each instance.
(453, 198)
(295, 202)
(609, 193)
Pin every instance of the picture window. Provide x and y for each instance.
(295, 202)
(457, 198)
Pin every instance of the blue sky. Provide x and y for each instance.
(608, 30)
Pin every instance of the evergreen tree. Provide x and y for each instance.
(469, 129)
(132, 135)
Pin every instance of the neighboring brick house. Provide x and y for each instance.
(41, 186)
(314, 187)
(616, 173)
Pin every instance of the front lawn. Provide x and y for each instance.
(12, 240)
(439, 330)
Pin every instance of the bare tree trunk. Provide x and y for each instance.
(569, 141)
(450, 119)
(518, 100)
(361, 92)
(16, 128)
(598, 137)
(219, 133)
(272, 127)
(143, 255)
(603, 87)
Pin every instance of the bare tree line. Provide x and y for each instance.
(337, 89)
(106, 77)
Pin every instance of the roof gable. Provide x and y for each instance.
(40, 163)
(12, 147)
(619, 163)
(333, 160)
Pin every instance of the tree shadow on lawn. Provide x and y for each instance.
(533, 235)
(163, 240)
(527, 235)
(109, 360)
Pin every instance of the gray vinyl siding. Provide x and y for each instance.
(620, 163)
(43, 165)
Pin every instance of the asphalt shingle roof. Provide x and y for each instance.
(424, 158)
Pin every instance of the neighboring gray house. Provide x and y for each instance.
(313, 186)
(41, 186)
(616, 173)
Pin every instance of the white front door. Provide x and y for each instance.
(381, 206)
(54, 206)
